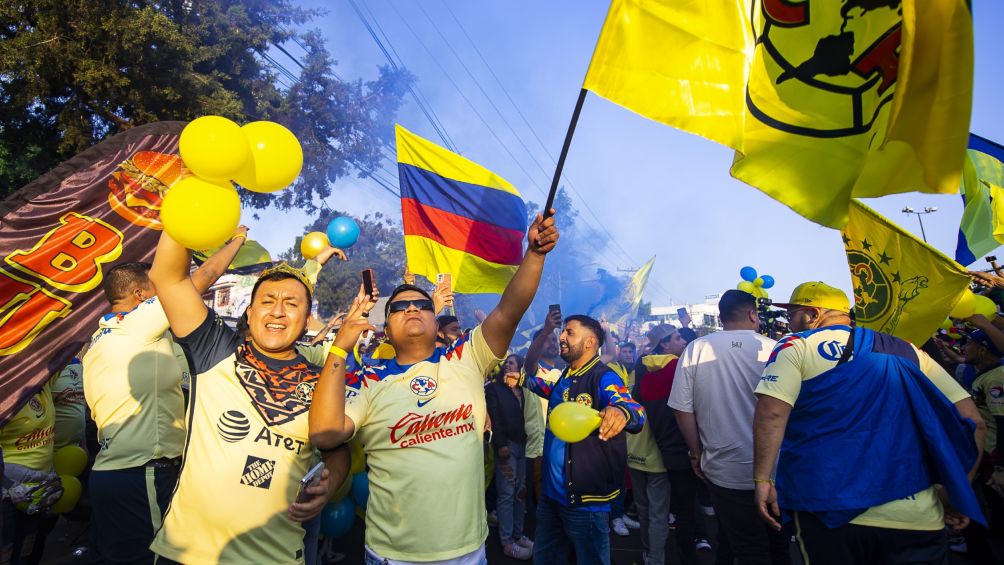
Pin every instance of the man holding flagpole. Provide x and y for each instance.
(420, 417)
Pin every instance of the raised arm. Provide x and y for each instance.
(329, 426)
(181, 294)
(213, 268)
(500, 325)
(536, 349)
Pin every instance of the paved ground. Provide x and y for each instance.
(70, 535)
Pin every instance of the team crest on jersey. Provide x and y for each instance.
(258, 472)
(585, 399)
(233, 426)
(36, 406)
(837, 61)
(564, 395)
(423, 386)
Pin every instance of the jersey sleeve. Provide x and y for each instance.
(209, 343)
(782, 375)
(472, 350)
(614, 393)
(681, 397)
(357, 392)
(940, 377)
(147, 320)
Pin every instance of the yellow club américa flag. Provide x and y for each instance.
(459, 217)
(902, 286)
(821, 100)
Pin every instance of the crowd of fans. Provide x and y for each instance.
(856, 445)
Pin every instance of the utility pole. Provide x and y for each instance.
(927, 210)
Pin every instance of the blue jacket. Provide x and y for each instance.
(872, 430)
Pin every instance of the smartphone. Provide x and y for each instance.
(681, 312)
(554, 308)
(445, 278)
(312, 477)
(368, 284)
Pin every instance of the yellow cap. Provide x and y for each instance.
(817, 294)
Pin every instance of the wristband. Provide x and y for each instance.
(758, 481)
(236, 235)
(337, 351)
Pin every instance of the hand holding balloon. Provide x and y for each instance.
(614, 420)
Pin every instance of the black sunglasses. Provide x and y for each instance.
(402, 305)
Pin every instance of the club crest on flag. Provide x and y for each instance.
(833, 59)
(137, 188)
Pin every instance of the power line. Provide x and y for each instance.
(466, 99)
(411, 89)
(530, 127)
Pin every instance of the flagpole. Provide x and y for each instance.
(564, 152)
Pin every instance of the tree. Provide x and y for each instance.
(380, 247)
(73, 73)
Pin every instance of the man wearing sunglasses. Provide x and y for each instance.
(420, 417)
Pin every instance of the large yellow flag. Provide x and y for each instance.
(902, 286)
(822, 100)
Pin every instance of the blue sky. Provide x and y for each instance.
(657, 190)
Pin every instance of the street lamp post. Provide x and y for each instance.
(927, 210)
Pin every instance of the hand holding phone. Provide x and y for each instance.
(369, 284)
(311, 479)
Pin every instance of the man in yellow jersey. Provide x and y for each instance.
(420, 417)
(247, 446)
(30, 486)
(132, 384)
(866, 437)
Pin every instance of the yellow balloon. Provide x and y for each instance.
(758, 282)
(71, 494)
(214, 148)
(201, 214)
(947, 324)
(985, 306)
(358, 457)
(276, 158)
(747, 286)
(69, 460)
(313, 243)
(966, 306)
(572, 422)
(343, 490)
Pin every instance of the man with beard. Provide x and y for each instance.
(420, 417)
(582, 479)
(544, 348)
(874, 440)
(247, 448)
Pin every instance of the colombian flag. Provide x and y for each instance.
(459, 217)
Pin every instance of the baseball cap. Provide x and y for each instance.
(817, 294)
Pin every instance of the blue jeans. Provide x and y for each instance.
(511, 491)
(560, 526)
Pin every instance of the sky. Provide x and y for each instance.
(653, 189)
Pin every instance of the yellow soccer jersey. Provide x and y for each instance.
(247, 449)
(988, 394)
(27, 438)
(132, 384)
(803, 356)
(68, 398)
(421, 426)
(643, 452)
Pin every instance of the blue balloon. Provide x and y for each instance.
(360, 489)
(337, 518)
(747, 273)
(343, 232)
(768, 281)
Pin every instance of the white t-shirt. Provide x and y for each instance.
(715, 380)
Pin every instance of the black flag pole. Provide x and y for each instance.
(564, 152)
